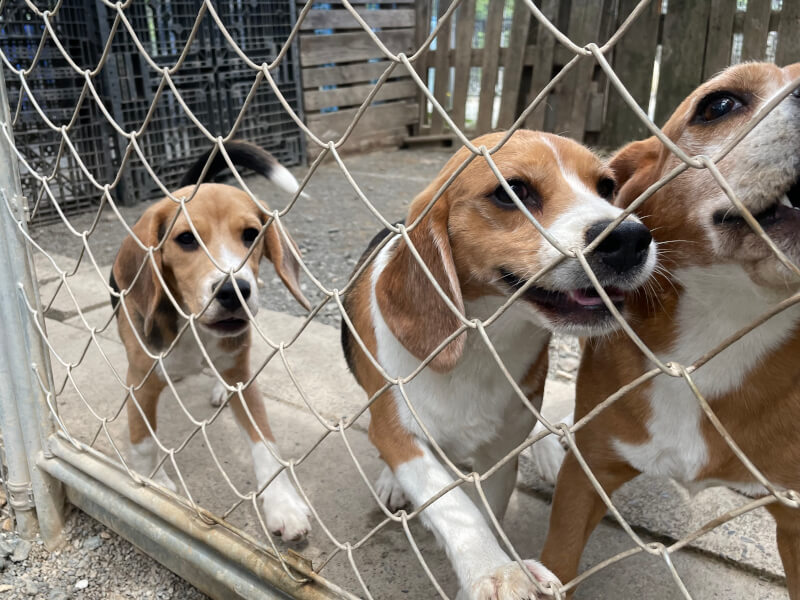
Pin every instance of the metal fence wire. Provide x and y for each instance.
(227, 556)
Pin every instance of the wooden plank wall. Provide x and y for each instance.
(696, 40)
(714, 30)
(340, 66)
(528, 57)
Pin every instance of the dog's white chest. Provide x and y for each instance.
(474, 403)
(715, 304)
(187, 359)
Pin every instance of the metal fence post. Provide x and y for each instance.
(25, 416)
(18, 483)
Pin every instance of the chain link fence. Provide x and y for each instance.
(61, 424)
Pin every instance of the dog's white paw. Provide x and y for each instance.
(548, 453)
(143, 458)
(285, 512)
(218, 394)
(510, 582)
(164, 480)
(389, 490)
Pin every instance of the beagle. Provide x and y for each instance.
(716, 277)
(480, 248)
(231, 226)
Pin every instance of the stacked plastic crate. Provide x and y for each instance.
(212, 80)
(55, 87)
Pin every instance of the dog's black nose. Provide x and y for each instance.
(226, 295)
(622, 249)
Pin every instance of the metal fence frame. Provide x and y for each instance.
(44, 466)
(24, 417)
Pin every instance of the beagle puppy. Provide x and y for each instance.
(716, 278)
(481, 248)
(145, 294)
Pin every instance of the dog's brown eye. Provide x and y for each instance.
(605, 187)
(503, 200)
(716, 105)
(186, 240)
(249, 235)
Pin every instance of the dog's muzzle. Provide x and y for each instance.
(227, 296)
(624, 249)
(231, 320)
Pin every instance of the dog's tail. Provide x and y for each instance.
(242, 154)
(112, 282)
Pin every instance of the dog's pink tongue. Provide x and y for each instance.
(591, 298)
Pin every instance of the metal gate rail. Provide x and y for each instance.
(220, 560)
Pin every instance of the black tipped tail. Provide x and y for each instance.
(112, 282)
(246, 155)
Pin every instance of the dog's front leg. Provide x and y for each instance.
(286, 514)
(141, 407)
(484, 570)
(787, 522)
(499, 487)
(501, 484)
(577, 509)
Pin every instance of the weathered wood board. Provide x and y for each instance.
(340, 65)
(492, 58)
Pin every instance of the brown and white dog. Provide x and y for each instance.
(481, 248)
(717, 277)
(229, 223)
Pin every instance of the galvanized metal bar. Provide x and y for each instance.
(217, 560)
(23, 350)
(17, 474)
(209, 571)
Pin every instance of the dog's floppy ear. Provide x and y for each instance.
(409, 303)
(147, 293)
(634, 169)
(286, 265)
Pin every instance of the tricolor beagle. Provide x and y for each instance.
(231, 226)
(481, 248)
(716, 277)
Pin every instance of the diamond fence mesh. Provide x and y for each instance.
(161, 79)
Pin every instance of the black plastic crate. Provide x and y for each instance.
(56, 88)
(213, 82)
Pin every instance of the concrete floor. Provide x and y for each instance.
(737, 560)
(341, 498)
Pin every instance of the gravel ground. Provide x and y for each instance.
(94, 564)
(332, 227)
